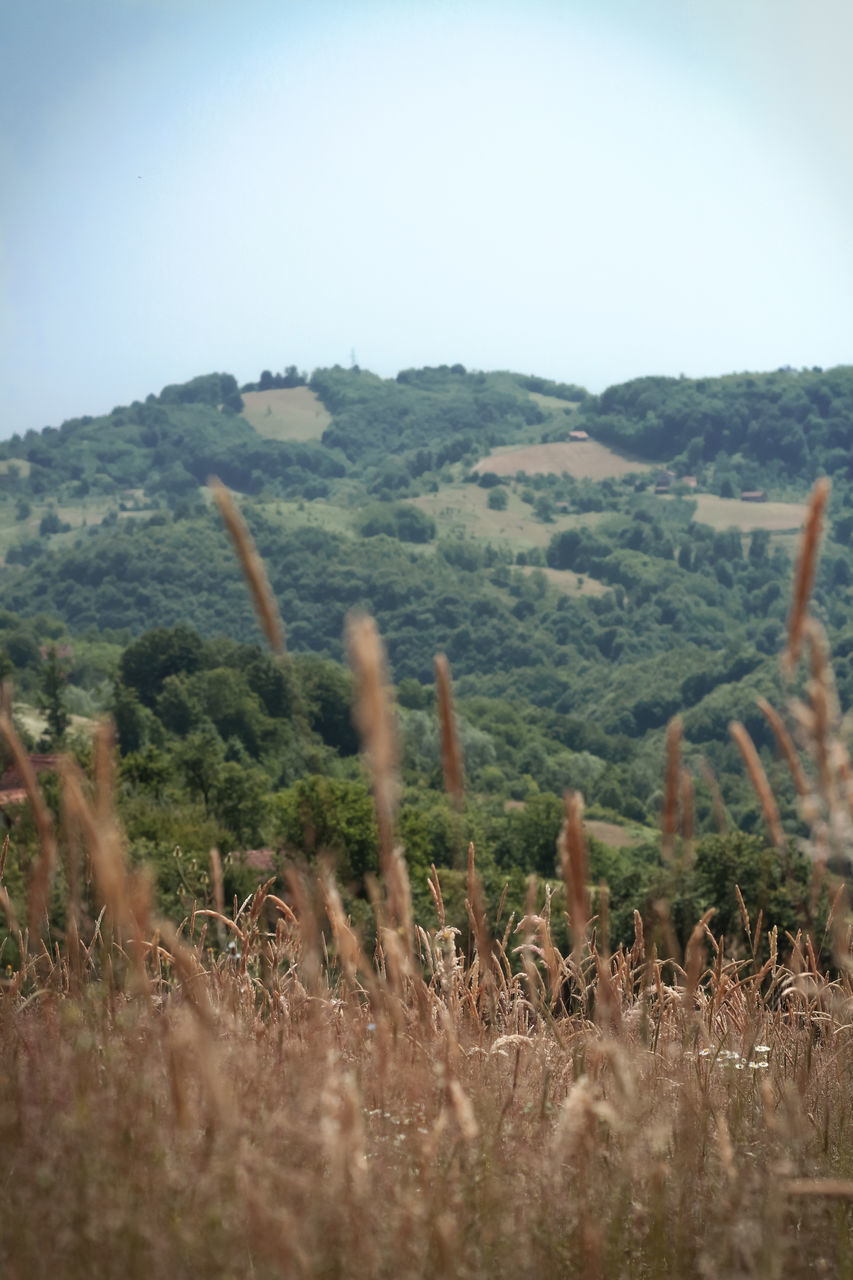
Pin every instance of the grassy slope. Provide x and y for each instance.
(293, 413)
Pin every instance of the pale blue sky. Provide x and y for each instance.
(591, 191)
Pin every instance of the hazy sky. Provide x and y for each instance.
(587, 190)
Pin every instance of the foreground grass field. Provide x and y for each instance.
(433, 1103)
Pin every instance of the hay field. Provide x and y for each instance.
(292, 413)
(587, 460)
(570, 583)
(462, 510)
(551, 404)
(731, 513)
(614, 834)
(22, 465)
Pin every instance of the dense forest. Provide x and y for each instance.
(750, 429)
(570, 651)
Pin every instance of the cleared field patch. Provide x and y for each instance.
(21, 466)
(292, 413)
(36, 723)
(552, 404)
(614, 835)
(463, 510)
(571, 584)
(317, 513)
(731, 513)
(584, 459)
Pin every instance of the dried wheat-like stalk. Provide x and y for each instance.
(482, 934)
(350, 955)
(758, 778)
(252, 565)
(43, 870)
(216, 881)
(451, 753)
(110, 874)
(375, 722)
(804, 577)
(572, 847)
(687, 814)
(786, 745)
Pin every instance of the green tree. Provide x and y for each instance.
(238, 799)
(131, 719)
(199, 757)
(334, 816)
(147, 662)
(52, 683)
(759, 546)
(498, 499)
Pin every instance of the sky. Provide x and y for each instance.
(592, 190)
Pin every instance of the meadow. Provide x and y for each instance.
(441, 1102)
(286, 413)
(732, 513)
(583, 459)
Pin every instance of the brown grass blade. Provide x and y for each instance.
(758, 778)
(804, 577)
(46, 861)
(251, 564)
(216, 881)
(786, 745)
(827, 1188)
(695, 956)
(375, 724)
(451, 753)
(573, 865)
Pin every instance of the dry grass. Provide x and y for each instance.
(586, 460)
(731, 513)
(552, 404)
(614, 834)
(445, 1106)
(291, 413)
(462, 510)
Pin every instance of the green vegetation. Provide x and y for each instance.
(745, 431)
(578, 615)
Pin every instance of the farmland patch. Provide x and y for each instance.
(291, 413)
(463, 511)
(732, 513)
(584, 459)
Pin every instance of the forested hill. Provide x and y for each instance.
(778, 427)
(385, 435)
(581, 602)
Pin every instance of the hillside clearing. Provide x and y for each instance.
(571, 584)
(732, 513)
(35, 722)
(585, 460)
(292, 413)
(21, 465)
(552, 404)
(614, 835)
(463, 510)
